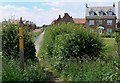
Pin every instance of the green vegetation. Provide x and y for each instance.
(11, 71)
(105, 69)
(118, 42)
(71, 51)
(108, 35)
(33, 71)
(10, 42)
(61, 47)
(118, 36)
(65, 41)
(36, 34)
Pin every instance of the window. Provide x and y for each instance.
(91, 22)
(109, 30)
(109, 22)
(100, 21)
(91, 13)
(101, 13)
(110, 13)
(91, 30)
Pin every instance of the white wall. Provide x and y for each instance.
(119, 10)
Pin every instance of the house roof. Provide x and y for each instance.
(105, 9)
(79, 20)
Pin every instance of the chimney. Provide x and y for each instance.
(113, 4)
(86, 5)
(65, 14)
(59, 16)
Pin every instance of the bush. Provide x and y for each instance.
(10, 42)
(12, 72)
(63, 41)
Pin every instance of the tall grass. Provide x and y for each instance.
(32, 72)
(97, 70)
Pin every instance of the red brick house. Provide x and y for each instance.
(68, 18)
(103, 18)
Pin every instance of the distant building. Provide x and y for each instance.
(118, 23)
(103, 18)
(119, 10)
(68, 18)
(79, 21)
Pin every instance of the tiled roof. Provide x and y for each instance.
(98, 9)
(79, 20)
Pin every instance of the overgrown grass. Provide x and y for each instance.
(12, 72)
(97, 70)
(101, 69)
(111, 48)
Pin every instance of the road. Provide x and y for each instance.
(38, 41)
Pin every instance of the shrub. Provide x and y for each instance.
(10, 42)
(69, 40)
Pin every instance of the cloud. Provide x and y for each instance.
(12, 7)
(47, 12)
(59, 0)
(54, 4)
(55, 9)
(36, 14)
(38, 9)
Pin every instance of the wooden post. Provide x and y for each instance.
(21, 44)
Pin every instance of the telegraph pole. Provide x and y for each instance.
(21, 44)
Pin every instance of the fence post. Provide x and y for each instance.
(21, 44)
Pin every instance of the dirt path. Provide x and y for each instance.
(38, 42)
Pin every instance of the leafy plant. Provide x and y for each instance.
(12, 72)
(10, 42)
(67, 40)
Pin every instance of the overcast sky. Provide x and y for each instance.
(46, 11)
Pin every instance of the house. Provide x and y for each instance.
(103, 18)
(118, 23)
(119, 11)
(79, 21)
(68, 18)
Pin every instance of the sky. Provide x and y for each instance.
(46, 11)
